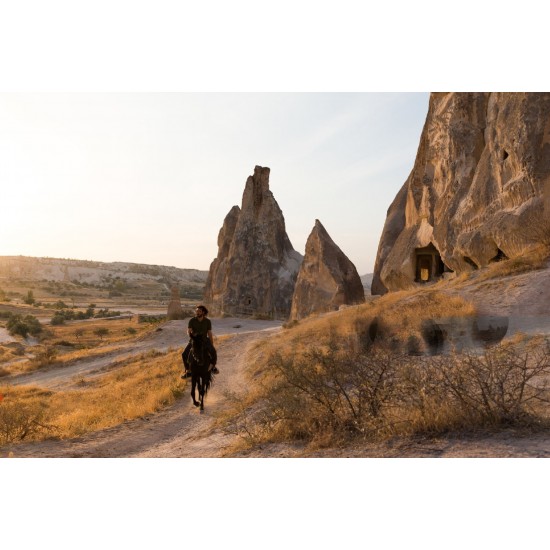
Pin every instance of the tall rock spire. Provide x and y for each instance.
(256, 267)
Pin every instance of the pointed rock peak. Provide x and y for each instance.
(256, 189)
(256, 267)
(327, 279)
(320, 231)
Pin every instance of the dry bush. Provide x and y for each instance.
(503, 385)
(22, 420)
(325, 396)
(536, 259)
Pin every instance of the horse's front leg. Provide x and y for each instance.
(201, 394)
(193, 386)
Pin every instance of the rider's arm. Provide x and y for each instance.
(210, 337)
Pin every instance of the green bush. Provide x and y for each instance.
(23, 326)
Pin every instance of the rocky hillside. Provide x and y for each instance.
(118, 278)
(479, 191)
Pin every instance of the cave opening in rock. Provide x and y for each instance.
(505, 155)
(429, 265)
(499, 257)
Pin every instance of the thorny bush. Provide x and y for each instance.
(326, 395)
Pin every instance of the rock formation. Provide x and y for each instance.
(479, 190)
(175, 310)
(256, 267)
(327, 279)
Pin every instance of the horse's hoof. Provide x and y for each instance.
(196, 404)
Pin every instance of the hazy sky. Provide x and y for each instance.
(149, 178)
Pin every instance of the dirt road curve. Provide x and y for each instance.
(179, 431)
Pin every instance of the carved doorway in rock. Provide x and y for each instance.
(423, 267)
(429, 265)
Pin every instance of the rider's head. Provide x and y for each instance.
(201, 309)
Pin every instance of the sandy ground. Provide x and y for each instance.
(181, 431)
(6, 337)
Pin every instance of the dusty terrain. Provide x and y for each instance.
(181, 431)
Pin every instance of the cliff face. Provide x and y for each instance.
(327, 278)
(256, 267)
(479, 190)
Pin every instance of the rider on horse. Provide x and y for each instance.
(200, 324)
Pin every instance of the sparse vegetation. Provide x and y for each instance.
(332, 394)
(140, 386)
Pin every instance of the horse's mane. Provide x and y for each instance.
(199, 348)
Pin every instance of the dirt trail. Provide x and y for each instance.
(179, 431)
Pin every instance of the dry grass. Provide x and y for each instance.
(143, 385)
(329, 396)
(537, 259)
(390, 320)
(332, 378)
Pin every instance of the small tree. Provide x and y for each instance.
(101, 332)
(29, 298)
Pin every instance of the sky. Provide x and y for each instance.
(149, 177)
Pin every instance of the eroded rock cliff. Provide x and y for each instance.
(479, 190)
(256, 267)
(327, 278)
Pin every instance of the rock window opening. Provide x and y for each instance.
(505, 155)
(429, 265)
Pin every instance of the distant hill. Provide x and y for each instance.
(367, 281)
(118, 278)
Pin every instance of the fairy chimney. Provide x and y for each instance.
(175, 310)
(256, 267)
(327, 278)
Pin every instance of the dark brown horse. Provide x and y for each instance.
(200, 359)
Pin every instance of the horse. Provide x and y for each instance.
(202, 376)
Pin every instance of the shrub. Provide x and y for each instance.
(20, 420)
(46, 356)
(330, 393)
(101, 332)
(23, 326)
(58, 319)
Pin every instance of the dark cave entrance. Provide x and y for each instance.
(429, 265)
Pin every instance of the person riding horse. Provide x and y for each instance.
(202, 375)
(200, 324)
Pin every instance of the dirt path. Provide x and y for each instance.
(170, 335)
(179, 431)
